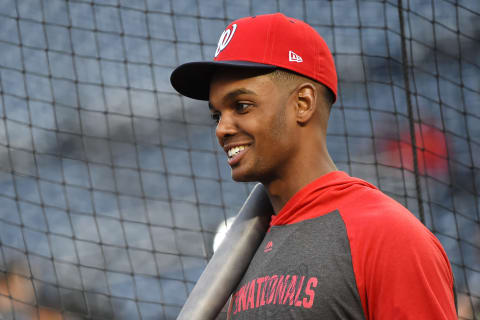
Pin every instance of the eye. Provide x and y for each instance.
(215, 116)
(242, 107)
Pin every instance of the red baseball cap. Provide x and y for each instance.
(269, 42)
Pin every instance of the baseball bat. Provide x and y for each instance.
(229, 262)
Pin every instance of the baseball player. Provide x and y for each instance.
(337, 247)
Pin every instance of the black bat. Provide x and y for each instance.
(229, 262)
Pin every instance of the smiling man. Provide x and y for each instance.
(262, 118)
(337, 248)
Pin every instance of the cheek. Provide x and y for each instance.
(274, 140)
(279, 126)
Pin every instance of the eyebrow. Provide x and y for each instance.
(232, 95)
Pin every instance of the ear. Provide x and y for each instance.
(306, 101)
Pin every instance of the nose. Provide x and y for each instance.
(225, 127)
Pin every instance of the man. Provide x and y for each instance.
(337, 247)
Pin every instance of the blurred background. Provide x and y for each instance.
(112, 187)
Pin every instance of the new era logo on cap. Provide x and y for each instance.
(292, 56)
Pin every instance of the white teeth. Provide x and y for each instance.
(232, 152)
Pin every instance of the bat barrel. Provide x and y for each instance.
(229, 262)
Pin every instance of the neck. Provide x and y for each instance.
(280, 190)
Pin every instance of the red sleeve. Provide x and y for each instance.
(401, 269)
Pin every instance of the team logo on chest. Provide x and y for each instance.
(225, 38)
(268, 247)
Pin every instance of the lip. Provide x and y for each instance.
(233, 161)
(236, 144)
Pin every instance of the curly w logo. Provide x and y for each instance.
(225, 38)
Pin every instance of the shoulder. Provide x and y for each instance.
(384, 235)
(399, 264)
(372, 210)
(397, 261)
(380, 229)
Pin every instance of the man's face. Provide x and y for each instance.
(254, 124)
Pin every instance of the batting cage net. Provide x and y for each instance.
(113, 189)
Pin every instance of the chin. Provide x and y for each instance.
(242, 179)
(239, 176)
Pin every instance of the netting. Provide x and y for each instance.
(112, 187)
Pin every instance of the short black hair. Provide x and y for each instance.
(287, 75)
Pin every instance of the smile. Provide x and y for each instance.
(235, 154)
(234, 151)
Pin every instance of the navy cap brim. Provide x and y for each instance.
(192, 79)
